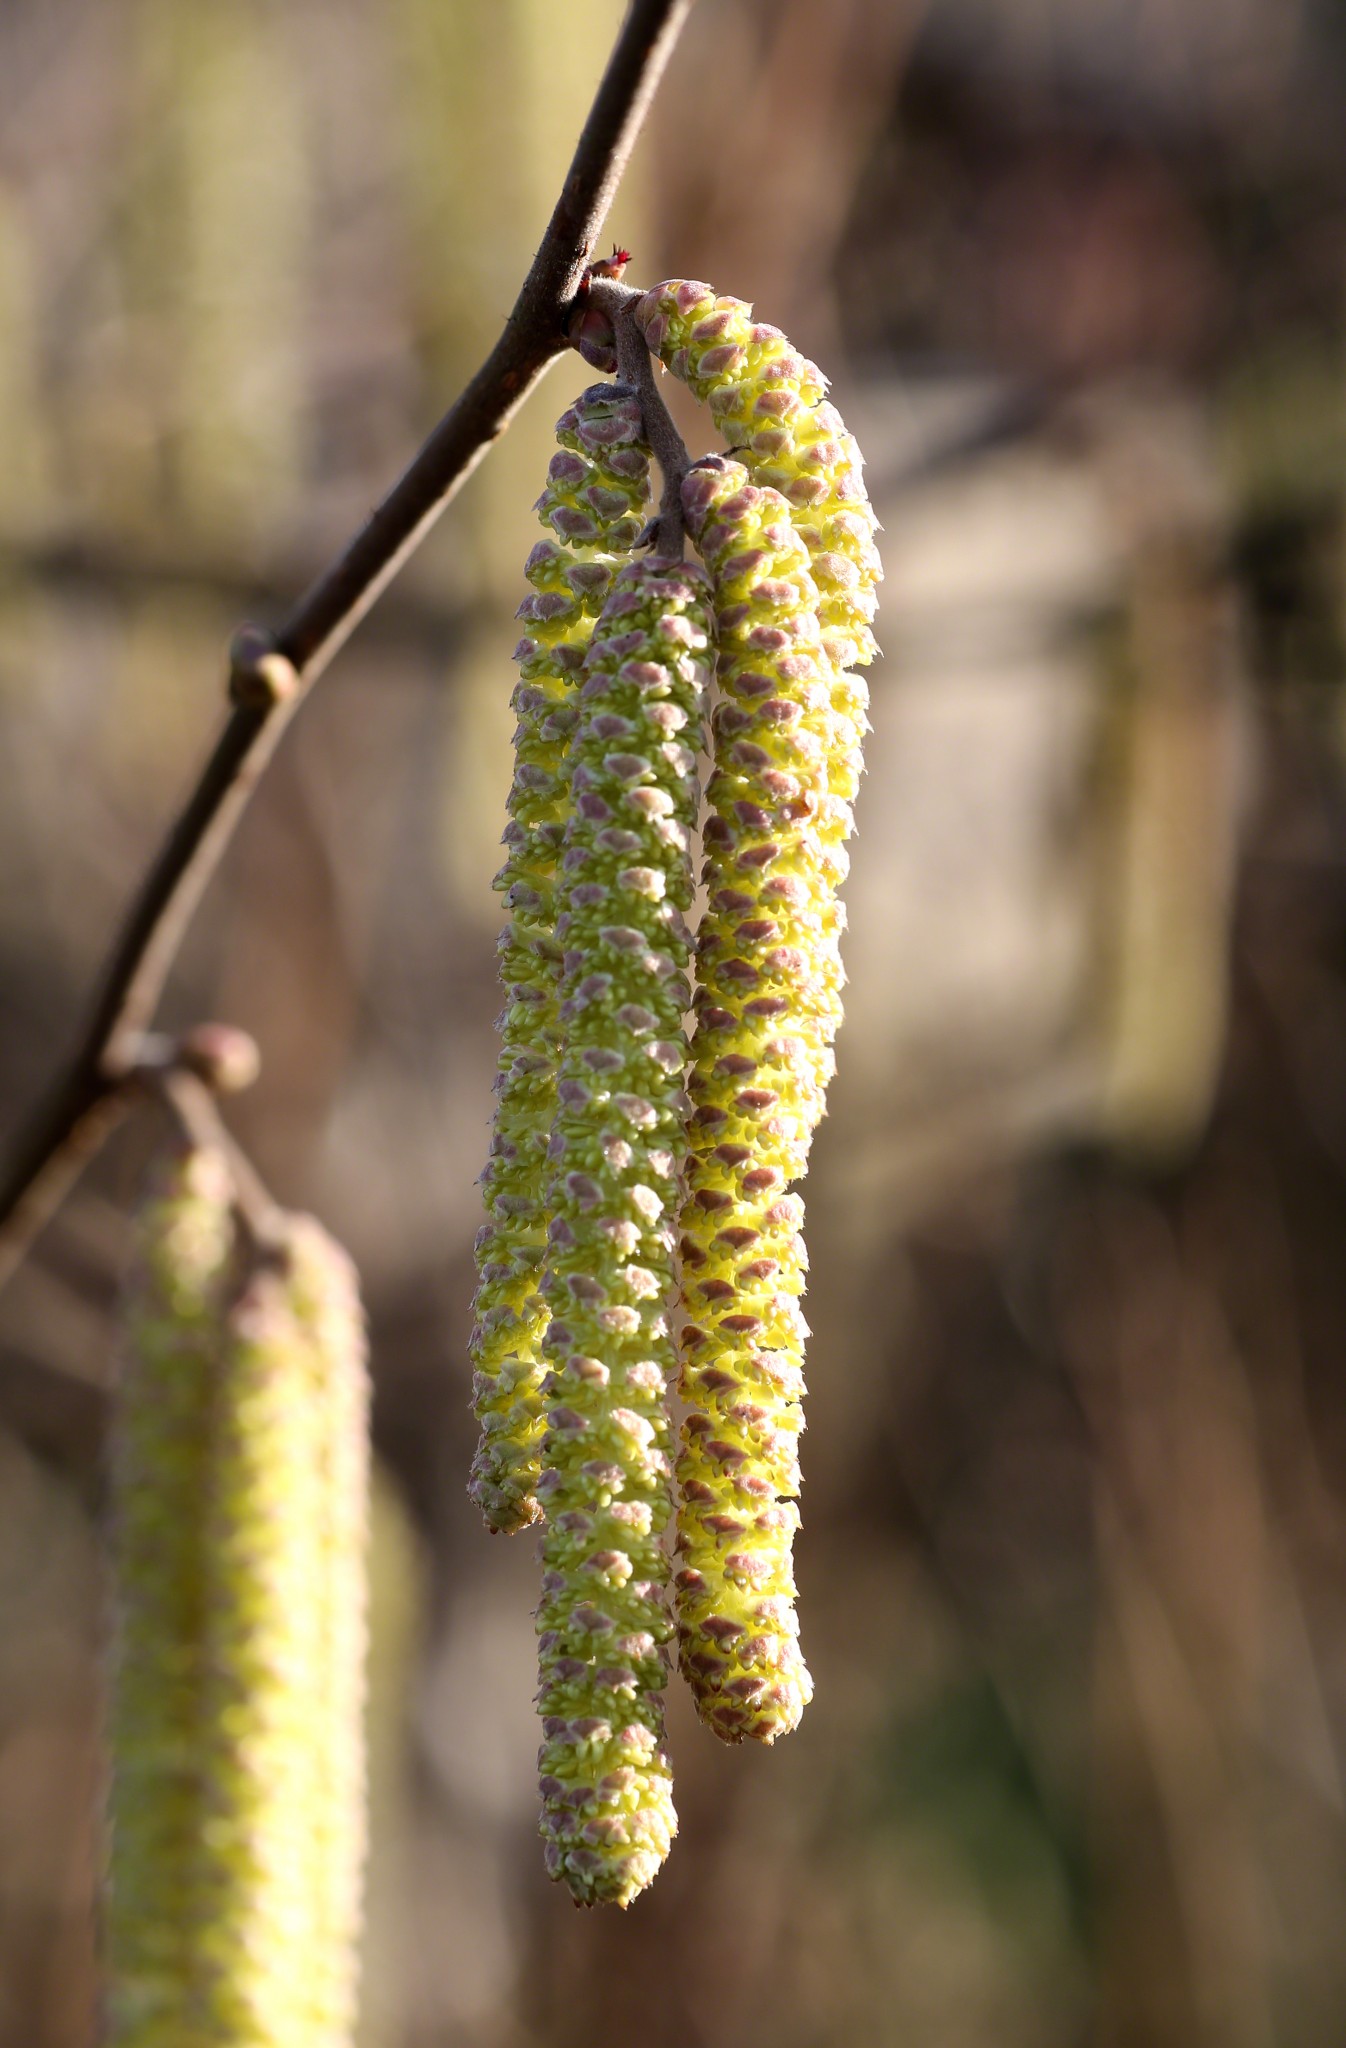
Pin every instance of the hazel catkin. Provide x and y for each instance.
(615, 1154)
(767, 1006)
(771, 405)
(240, 1486)
(160, 1471)
(592, 506)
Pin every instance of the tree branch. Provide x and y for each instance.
(269, 677)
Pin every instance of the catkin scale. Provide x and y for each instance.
(615, 1152)
(597, 487)
(239, 1492)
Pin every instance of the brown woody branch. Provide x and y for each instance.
(269, 677)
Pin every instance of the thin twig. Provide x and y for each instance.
(269, 677)
(194, 1110)
(635, 368)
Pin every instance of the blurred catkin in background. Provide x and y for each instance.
(1073, 1528)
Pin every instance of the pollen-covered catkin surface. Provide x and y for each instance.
(597, 487)
(767, 1007)
(615, 1157)
(246, 1891)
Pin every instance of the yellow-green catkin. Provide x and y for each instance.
(767, 1006)
(771, 406)
(321, 1289)
(615, 1155)
(161, 1463)
(788, 533)
(237, 1718)
(597, 488)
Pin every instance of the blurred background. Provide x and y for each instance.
(1073, 1563)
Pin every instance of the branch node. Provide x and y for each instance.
(220, 1056)
(260, 676)
(226, 1059)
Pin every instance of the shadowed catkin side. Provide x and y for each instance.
(597, 486)
(238, 1825)
(160, 1471)
(615, 1152)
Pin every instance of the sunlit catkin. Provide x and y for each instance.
(597, 486)
(615, 1157)
(788, 532)
(771, 406)
(237, 1737)
(767, 1006)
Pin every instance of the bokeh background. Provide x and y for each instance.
(1074, 1553)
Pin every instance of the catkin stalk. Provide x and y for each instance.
(597, 487)
(615, 1152)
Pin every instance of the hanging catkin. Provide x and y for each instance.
(771, 406)
(615, 1153)
(240, 1491)
(158, 1977)
(768, 1002)
(597, 485)
(787, 532)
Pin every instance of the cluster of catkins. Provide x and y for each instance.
(629, 1171)
(239, 1491)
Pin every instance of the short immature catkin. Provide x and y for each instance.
(788, 534)
(597, 487)
(237, 1745)
(615, 1153)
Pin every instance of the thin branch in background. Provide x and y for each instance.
(270, 676)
